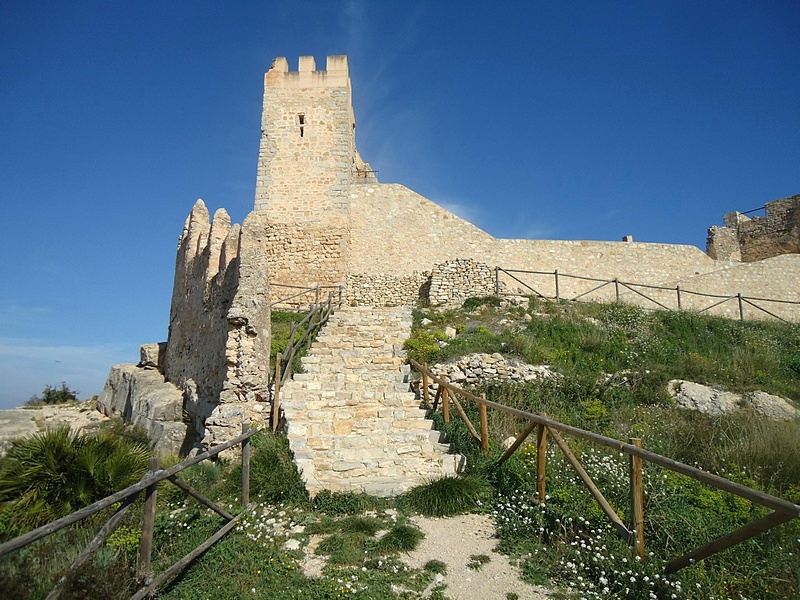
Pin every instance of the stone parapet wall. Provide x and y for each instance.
(453, 281)
(380, 289)
(395, 231)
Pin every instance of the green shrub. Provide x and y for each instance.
(342, 503)
(448, 496)
(474, 302)
(49, 475)
(422, 346)
(400, 538)
(54, 395)
(273, 475)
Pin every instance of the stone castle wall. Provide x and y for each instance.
(395, 232)
(748, 240)
(213, 372)
(331, 222)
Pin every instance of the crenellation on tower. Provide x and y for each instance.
(307, 162)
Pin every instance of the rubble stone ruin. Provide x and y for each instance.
(321, 217)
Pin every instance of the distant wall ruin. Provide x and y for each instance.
(750, 239)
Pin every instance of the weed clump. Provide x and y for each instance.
(448, 496)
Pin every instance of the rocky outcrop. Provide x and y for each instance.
(695, 396)
(22, 422)
(140, 396)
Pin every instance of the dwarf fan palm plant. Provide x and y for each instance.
(48, 475)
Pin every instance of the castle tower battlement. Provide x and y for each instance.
(306, 165)
(307, 154)
(336, 74)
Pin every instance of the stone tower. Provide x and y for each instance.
(306, 164)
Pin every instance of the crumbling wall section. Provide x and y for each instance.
(748, 240)
(206, 279)
(454, 281)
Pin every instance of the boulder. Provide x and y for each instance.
(696, 396)
(141, 396)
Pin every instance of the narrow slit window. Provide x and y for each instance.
(301, 118)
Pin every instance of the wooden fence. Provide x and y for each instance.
(313, 322)
(299, 295)
(148, 484)
(633, 532)
(640, 290)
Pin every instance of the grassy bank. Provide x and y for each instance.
(616, 361)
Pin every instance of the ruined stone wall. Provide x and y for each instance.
(219, 333)
(748, 240)
(454, 281)
(380, 289)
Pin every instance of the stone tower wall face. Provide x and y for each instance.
(306, 162)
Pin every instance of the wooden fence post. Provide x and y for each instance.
(558, 294)
(497, 281)
(245, 466)
(276, 395)
(146, 545)
(616, 287)
(425, 383)
(637, 500)
(541, 461)
(678, 290)
(741, 307)
(484, 425)
(445, 400)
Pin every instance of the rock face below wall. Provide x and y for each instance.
(141, 396)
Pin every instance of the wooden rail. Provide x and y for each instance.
(148, 484)
(317, 316)
(633, 533)
(636, 288)
(318, 292)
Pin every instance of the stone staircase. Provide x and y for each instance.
(353, 424)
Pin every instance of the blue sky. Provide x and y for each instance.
(564, 120)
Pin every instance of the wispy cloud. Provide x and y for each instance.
(27, 366)
(469, 212)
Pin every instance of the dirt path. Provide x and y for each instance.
(453, 540)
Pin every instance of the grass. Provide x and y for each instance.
(448, 496)
(478, 561)
(616, 361)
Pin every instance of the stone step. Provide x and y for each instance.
(352, 421)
